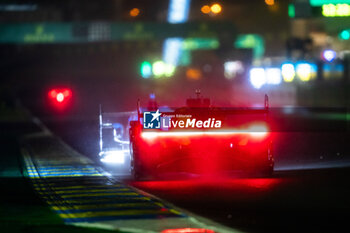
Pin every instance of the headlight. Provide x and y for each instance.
(113, 157)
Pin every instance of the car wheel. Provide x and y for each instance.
(136, 169)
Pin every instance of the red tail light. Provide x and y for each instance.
(60, 98)
(255, 130)
(60, 95)
(188, 230)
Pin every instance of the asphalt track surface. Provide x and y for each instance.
(308, 192)
(83, 194)
(297, 201)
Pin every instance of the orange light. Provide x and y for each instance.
(270, 2)
(134, 12)
(66, 93)
(53, 94)
(193, 74)
(205, 9)
(216, 8)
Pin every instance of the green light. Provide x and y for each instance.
(169, 70)
(200, 43)
(338, 10)
(291, 10)
(146, 69)
(39, 36)
(161, 69)
(186, 58)
(323, 2)
(158, 68)
(345, 35)
(251, 41)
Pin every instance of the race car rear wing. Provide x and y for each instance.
(215, 110)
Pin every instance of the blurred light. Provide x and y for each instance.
(329, 55)
(322, 2)
(257, 77)
(336, 10)
(251, 41)
(344, 35)
(193, 74)
(270, 2)
(205, 9)
(303, 71)
(158, 68)
(60, 97)
(200, 43)
(188, 230)
(233, 68)
(313, 70)
(161, 69)
(328, 10)
(291, 10)
(113, 157)
(53, 93)
(67, 93)
(146, 69)
(256, 130)
(18, 7)
(273, 76)
(169, 70)
(216, 8)
(178, 11)
(185, 58)
(343, 9)
(134, 12)
(333, 70)
(172, 50)
(152, 96)
(288, 72)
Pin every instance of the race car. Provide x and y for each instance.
(200, 138)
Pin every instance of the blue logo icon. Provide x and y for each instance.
(151, 120)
